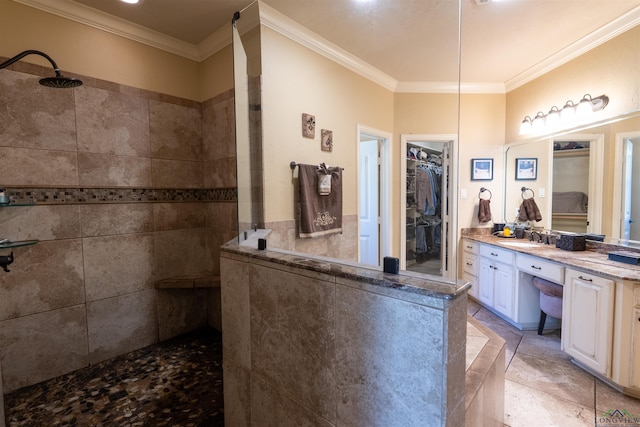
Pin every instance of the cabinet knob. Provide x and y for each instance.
(585, 279)
(494, 254)
(536, 268)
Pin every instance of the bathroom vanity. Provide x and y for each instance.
(601, 299)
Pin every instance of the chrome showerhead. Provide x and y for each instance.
(59, 81)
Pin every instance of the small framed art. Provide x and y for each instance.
(526, 169)
(481, 169)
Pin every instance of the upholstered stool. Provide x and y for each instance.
(550, 300)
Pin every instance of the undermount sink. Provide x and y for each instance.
(521, 244)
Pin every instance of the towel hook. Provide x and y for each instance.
(524, 190)
(482, 190)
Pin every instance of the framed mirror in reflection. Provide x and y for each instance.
(586, 179)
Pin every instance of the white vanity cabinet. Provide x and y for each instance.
(634, 374)
(496, 279)
(626, 347)
(587, 319)
(470, 265)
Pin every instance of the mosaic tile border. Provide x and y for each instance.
(58, 196)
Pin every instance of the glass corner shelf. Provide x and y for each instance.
(10, 245)
(7, 205)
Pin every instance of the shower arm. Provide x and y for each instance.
(32, 52)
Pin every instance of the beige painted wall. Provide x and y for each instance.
(482, 121)
(296, 81)
(610, 69)
(94, 53)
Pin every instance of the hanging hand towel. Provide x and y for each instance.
(484, 210)
(319, 214)
(529, 211)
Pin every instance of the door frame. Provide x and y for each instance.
(596, 171)
(451, 235)
(384, 154)
(618, 185)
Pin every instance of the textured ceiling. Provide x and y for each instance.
(409, 40)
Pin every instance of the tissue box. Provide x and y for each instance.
(571, 242)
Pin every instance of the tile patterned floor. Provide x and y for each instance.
(175, 383)
(543, 388)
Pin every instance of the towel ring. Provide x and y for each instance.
(524, 190)
(482, 190)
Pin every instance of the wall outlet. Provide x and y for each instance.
(463, 193)
(541, 192)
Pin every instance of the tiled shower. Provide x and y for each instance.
(127, 187)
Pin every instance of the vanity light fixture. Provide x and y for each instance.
(569, 112)
(553, 117)
(537, 123)
(525, 126)
(130, 1)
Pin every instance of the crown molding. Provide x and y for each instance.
(591, 41)
(278, 22)
(449, 87)
(94, 18)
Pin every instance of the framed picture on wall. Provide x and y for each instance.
(481, 169)
(527, 169)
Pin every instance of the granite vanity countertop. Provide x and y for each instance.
(412, 283)
(590, 260)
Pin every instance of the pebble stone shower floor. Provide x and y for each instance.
(174, 383)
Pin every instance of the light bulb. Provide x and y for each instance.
(525, 126)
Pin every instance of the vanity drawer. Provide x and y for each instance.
(470, 264)
(497, 254)
(470, 246)
(541, 268)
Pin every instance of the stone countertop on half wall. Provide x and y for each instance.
(594, 259)
(411, 283)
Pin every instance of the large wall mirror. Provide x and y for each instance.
(333, 72)
(585, 179)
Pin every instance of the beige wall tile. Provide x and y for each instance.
(182, 253)
(118, 265)
(237, 394)
(38, 167)
(292, 348)
(43, 277)
(220, 173)
(2, 417)
(219, 130)
(45, 345)
(177, 174)
(176, 131)
(215, 309)
(102, 170)
(223, 216)
(236, 339)
(272, 408)
(121, 324)
(176, 216)
(109, 219)
(40, 222)
(379, 382)
(112, 122)
(34, 116)
(181, 311)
